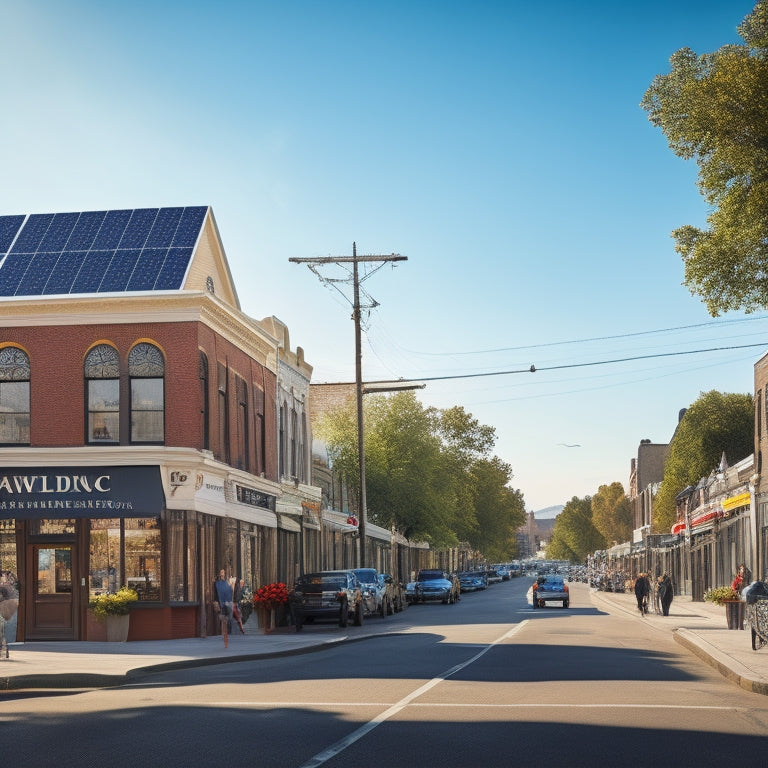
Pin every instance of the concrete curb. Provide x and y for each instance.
(94, 680)
(725, 665)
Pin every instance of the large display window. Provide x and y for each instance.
(126, 552)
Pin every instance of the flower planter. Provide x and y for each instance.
(734, 614)
(117, 628)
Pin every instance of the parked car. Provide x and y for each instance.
(396, 592)
(334, 595)
(472, 581)
(436, 585)
(550, 588)
(494, 577)
(375, 596)
(503, 571)
(410, 592)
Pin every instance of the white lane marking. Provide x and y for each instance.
(459, 705)
(340, 746)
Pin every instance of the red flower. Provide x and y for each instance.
(271, 594)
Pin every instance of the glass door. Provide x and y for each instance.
(52, 616)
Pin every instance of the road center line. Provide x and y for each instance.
(340, 746)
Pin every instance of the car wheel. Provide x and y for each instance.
(359, 615)
(344, 614)
(565, 603)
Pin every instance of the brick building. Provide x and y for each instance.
(141, 436)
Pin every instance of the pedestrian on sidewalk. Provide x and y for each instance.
(222, 593)
(743, 578)
(237, 591)
(666, 593)
(642, 590)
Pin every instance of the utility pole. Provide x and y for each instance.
(355, 260)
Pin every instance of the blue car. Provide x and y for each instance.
(472, 581)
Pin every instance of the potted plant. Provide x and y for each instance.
(267, 600)
(730, 598)
(114, 608)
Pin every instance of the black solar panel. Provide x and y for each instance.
(9, 227)
(144, 249)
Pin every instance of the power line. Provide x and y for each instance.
(535, 369)
(593, 338)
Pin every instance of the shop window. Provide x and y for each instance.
(182, 556)
(146, 368)
(102, 386)
(14, 396)
(126, 552)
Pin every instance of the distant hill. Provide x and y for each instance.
(548, 512)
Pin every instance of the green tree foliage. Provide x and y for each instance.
(612, 513)
(499, 509)
(574, 535)
(429, 472)
(716, 423)
(714, 108)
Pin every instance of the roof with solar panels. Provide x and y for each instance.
(116, 252)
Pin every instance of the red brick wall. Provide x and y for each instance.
(57, 389)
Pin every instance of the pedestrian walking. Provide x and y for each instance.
(237, 592)
(223, 596)
(743, 578)
(666, 593)
(642, 590)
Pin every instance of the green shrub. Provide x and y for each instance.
(113, 603)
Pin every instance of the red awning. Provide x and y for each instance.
(678, 527)
(706, 517)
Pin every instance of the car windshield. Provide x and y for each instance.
(366, 575)
(430, 575)
(326, 582)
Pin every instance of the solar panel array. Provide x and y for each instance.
(145, 249)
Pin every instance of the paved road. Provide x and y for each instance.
(486, 682)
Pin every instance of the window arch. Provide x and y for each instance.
(102, 392)
(204, 394)
(146, 369)
(14, 396)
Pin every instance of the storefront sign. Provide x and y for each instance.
(734, 502)
(66, 492)
(255, 498)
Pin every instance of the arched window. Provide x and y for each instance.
(146, 368)
(204, 412)
(281, 443)
(102, 393)
(294, 436)
(14, 396)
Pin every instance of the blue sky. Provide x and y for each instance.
(500, 146)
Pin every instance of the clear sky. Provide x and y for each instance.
(500, 146)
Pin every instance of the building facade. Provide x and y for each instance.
(138, 422)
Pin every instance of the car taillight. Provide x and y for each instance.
(565, 587)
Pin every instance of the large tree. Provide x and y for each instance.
(714, 107)
(499, 509)
(716, 423)
(574, 535)
(429, 472)
(612, 513)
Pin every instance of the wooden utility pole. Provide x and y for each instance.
(355, 260)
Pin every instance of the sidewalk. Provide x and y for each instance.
(699, 627)
(702, 629)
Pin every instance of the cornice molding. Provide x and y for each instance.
(125, 309)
